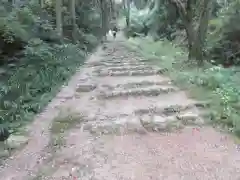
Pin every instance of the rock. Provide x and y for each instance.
(189, 118)
(66, 93)
(172, 109)
(160, 123)
(202, 104)
(152, 123)
(117, 126)
(86, 87)
(4, 153)
(83, 79)
(2, 71)
(11, 65)
(16, 141)
(174, 125)
(161, 71)
(94, 63)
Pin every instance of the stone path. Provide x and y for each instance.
(133, 124)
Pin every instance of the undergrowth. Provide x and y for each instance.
(30, 85)
(65, 121)
(61, 124)
(34, 61)
(218, 85)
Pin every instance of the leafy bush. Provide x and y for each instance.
(36, 79)
(223, 83)
(223, 42)
(42, 60)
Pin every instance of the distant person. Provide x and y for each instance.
(145, 29)
(114, 27)
(115, 30)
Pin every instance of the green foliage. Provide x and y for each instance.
(36, 79)
(223, 41)
(139, 21)
(45, 62)
(159, 21)
(215, 84)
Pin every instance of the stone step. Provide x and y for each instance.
(142, 84)
(124, 64)
(166, 111)
(202, 104)
(105, 64)
(133, 73)
(132, 104)
(149, 91)
(140, 124)
(94, 64)
(155, 123)
(190, 118)
(160, 123)
(119, 61)
(129, 68)
(112, 81)
(116, 126)
(86, 87)
(134, 85)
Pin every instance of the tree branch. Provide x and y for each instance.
(180, 7)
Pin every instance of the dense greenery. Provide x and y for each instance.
(41, 45)
(163, 21)
(217, 79)
(35, 60)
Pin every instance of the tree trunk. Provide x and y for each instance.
(13, 2)
(124, 5)
(42, 3)
(128, 14)
(140, 4)
(190, 38)
(104, 19)
(112, 9)
(59, 17)
(202, 29)
(196, 38)
(157, 5)
(73, 19)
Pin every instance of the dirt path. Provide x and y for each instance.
(131, 124)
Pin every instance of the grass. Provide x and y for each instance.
(214, 84)
(65, 121)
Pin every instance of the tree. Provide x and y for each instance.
(59, 17)
(140, 4)
(72, 8)
(127, 13)
(104, 18)
(42, 3)
(13, 2)
(112, 9)
(124, 4)
(195, 36)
